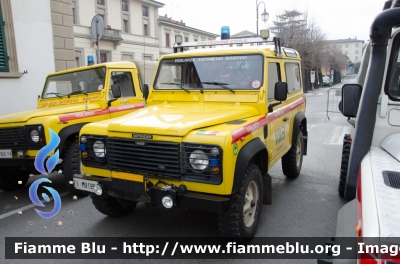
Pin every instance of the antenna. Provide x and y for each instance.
(144, 60)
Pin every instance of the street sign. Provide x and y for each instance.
(312, 76)
(97, 27)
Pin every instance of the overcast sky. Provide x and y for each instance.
(338, 19)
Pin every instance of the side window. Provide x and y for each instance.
(393, 77)
(274, 76)
(124, 80)
(293, 77)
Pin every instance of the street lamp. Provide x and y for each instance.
(264, 15)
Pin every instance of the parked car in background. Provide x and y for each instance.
(326, 81)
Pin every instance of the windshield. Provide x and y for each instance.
(213, 72)
(87, 81)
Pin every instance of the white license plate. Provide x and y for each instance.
(84, 185)
(5, 153)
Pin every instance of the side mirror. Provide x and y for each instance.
(281, 91)
(145, 91)
(351, 96)
(116, 90)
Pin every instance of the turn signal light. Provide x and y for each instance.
(84, 154)
(215, 170)
(358, 228)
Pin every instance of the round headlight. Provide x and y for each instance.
(34, 135)
(99, 149)
(198, 160)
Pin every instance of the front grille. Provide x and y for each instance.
(140, 156)
(12, 138)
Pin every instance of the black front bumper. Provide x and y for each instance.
(148, 193)
(18, 162)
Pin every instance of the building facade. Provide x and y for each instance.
(352, 48)
(34, 40)
(130, 30)
(52, 35)
(169, 28)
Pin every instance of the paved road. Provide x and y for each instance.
(304, 207)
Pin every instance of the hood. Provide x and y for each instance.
(179, 120)
(47, 111)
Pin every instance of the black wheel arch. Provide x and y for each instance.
(67, 132)
(254, 151)
(300, 121)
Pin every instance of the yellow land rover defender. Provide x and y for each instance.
(217, 119)
(70, 99)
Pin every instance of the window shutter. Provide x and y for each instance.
(3, 50)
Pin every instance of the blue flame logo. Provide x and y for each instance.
(46, 150)
(35, 199)
(50, 165)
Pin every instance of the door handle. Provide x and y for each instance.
(285, 119)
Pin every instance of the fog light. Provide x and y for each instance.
(20, 153)
(98, 190)
(215, 170)
(167, 201)
(84, 154)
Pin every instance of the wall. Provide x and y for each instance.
(34, 43)
(63, 33)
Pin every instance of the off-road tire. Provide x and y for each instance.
(345, 163)
(72, 165)
(293, 159)
(232, 222)
(9, 179)
(110, 206)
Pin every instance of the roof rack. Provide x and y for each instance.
(179, 47)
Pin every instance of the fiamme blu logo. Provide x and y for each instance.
(50, 165)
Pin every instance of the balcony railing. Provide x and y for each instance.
(113, 35)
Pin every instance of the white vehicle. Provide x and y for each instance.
(370, 179)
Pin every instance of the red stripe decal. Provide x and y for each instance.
(246, 130)
(115, 109)
(72, 116)
(125, 107)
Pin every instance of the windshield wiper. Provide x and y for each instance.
(177, 84)
(220, 84)
(76, 92)
(56, 94)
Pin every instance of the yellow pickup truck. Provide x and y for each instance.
(70, 99)
(217, 119)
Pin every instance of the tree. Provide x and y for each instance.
(334, 60)
(297, 31)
